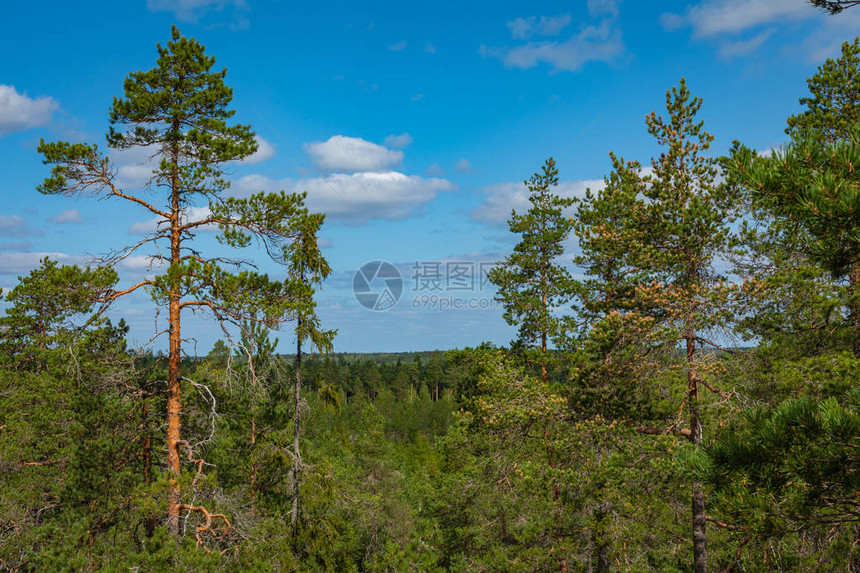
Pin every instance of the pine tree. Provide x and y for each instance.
(532, 284)
(178, 112)
(43, 304)
(815, 186)
(833, 107)
(307, 266)
(791, 469)
(649, 244)
(809, 189)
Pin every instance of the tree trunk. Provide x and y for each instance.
(297, 460)
(174, 406)
(253, 465)
(147, 441)
(174, 375)
(150, 521)
(700, 554)
(854, 306)
(544, 326)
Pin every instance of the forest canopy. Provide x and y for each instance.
(682, 393)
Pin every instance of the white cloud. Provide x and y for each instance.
(501, 198)
(429, 48)
(192, 10)
(598, 41)
(715, 17)
(19, 112)
(69, 216)
(418, 97)
(143, 263)
(134, 166)
(341, 153)
(525, 28)
(398, 47)
(356, 196)
(14, 226)
(21, 263)
(401, 141)
(826, 41)
(729, 50)
(265, 150)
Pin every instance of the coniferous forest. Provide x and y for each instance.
(682, 393)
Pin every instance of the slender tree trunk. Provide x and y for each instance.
(854, 306)
(146, 442)
(174, 375)
(700, 554)
(253, 465)
(150, 521)
(174, 406)
(543, 281)
(297, 460)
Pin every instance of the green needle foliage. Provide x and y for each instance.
(533, 284)
(44, 306)
(178, 113)
(814, 187)
(649, 244)
(796, 246)
(791, 471)
(833, 108)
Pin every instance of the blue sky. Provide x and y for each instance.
(412, 126)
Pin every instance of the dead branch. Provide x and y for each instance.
(207, 525)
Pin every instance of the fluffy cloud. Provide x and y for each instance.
(398, 47)
(265, 150)
(715, 17)
(69, 216)
(401, 141)
(352, 154)
(598, 41)
(19, 112)
(355, 196)
(501, 198)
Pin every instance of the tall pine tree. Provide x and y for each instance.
(532, 283)
(178, 113)
(649, 247)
